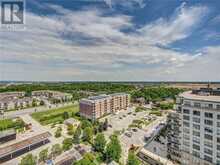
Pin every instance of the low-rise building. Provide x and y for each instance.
(97, 106)
(72, 121)
(7, 135)
(62, 97)
(12, 94)
(8, 103)
(11, 151)
(148, 157)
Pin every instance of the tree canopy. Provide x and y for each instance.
(132, 159)
(113, 149)
(29, 159)
(100, 142)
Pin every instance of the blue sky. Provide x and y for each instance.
(128, 40)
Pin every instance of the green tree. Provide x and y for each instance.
(29, 159)
(70, 129)
(67, 144)
(88, 159)
(85, 124)
(34, 103)
(132, 159)
(42, 102)
(56, 150)
(43, 155)
(58, 132)
(65, 115)
(100, 143)
(87, 134)
(113, 149)
(76, 136)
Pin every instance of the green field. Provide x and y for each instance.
(6, 124)
(55, 115)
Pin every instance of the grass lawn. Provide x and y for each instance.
(6, 124)
(55, 115)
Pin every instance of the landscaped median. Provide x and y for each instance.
(56, 115)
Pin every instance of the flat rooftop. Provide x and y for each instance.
(23, 144)
(7, 133)
(189, 95)
(155, 157)
(98, 97)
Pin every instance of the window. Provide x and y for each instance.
(197, 154)
(196, 140)
(210, 105)
(208, 115)
(185, 136)
(195, 133)
(197, 147)
(185, 117)
(186, 149)
(208, 129)
(197, 113)
(218, 140)
(197, 105)
(196, 126)
(218, 147)
(186, 143)
(207, 136)
(186, 130)
(207, 151)
(187, 103)
(208, 122)
(218, 124)
(218, 107)
(186, 111)
(196, 120)
(208, 144)
(218, 154)
(218, 116)
(186, 124)
(209, 159)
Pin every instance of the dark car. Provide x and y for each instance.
(134, 129)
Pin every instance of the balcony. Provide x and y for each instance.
(200, 107)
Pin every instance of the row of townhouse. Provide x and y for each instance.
(63, 97)
(8, 103)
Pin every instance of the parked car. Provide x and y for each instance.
(128, 134)
(134, 129)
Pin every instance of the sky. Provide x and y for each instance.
(114, 40)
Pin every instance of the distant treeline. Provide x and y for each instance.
(149, 93)
(66, 87)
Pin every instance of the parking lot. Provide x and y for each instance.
(130, 136)
(122, 120)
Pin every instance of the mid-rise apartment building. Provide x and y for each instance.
(173, 136)
(197, 125)
(97, 106)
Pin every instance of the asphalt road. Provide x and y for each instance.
(14, 114)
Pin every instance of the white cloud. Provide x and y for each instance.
(179, 26)
(85, 45)
(128, 4)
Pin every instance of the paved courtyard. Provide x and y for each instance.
(122, 120)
